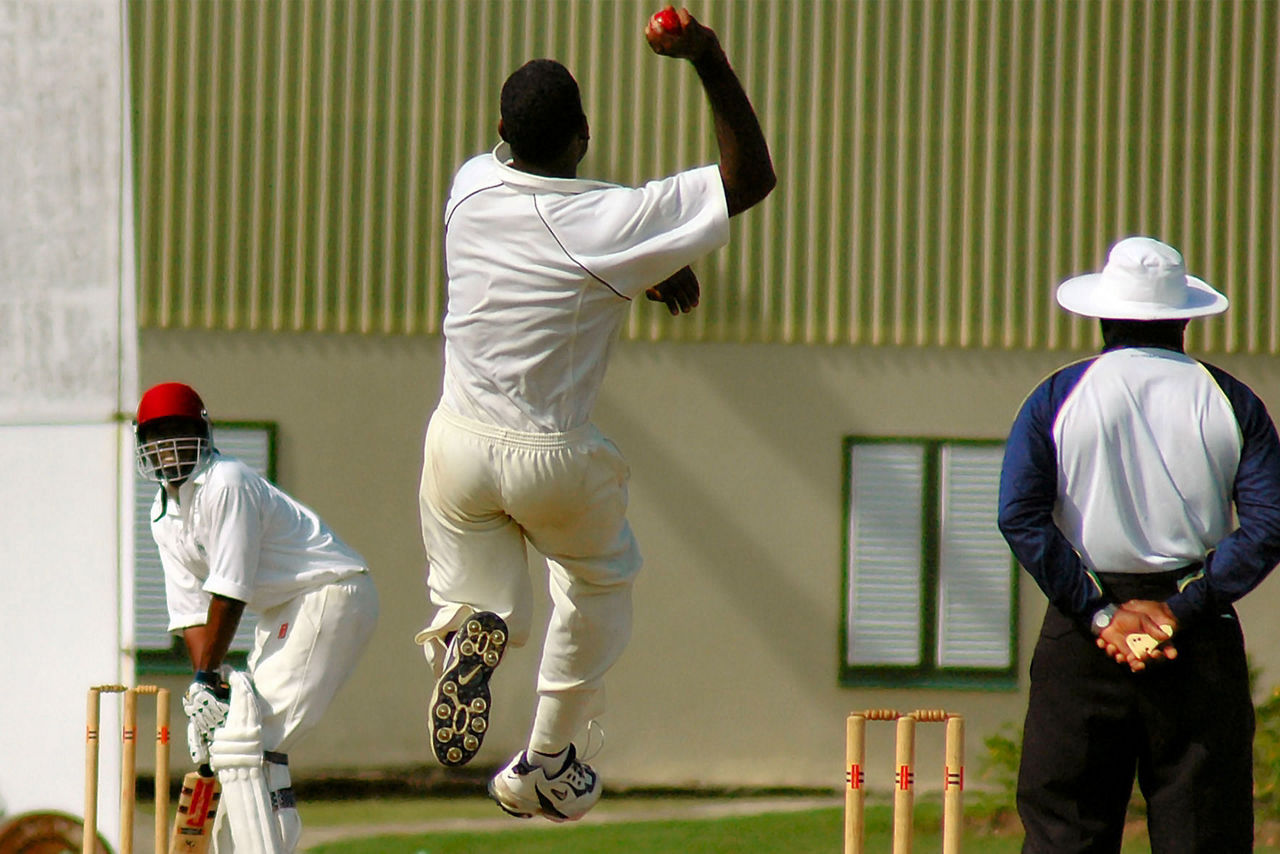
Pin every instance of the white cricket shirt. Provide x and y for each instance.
(234, 533)
(541, 273)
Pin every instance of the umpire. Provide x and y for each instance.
(1116, 495)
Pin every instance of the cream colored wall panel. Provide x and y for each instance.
(739, 523)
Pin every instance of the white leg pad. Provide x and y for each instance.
(236, 754)
(222, 843)
(280, 787)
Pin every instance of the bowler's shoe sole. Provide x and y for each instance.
(460, 704)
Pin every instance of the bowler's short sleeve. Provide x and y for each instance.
(634, 238)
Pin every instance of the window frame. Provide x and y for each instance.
(928, 673)
(175, 659)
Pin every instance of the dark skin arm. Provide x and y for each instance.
(208, 644)
(745, 166)
(680, 291)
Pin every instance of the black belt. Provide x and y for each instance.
(1158, 586)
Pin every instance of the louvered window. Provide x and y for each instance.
(930, 586)
(251, 443)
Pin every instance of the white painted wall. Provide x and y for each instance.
(60, 542)
(68, 352)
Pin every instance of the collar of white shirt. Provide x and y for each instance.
(521, 180)
(188, 487)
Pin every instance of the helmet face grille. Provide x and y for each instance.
(172, 460)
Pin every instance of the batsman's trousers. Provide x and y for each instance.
(303, 652)
(485, 493)
(1185, 726)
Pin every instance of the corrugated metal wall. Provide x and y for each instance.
(941, 164)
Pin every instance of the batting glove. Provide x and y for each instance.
(197, 746)
(206, 703)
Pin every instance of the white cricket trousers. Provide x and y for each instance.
(485, 492)
(304, 650)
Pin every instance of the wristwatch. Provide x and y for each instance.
(1103, 617)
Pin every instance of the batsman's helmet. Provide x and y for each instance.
(173, 434)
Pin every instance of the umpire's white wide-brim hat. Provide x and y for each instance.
(1143, 279)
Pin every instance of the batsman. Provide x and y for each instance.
(231, 541)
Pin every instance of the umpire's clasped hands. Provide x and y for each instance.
(1140, 631)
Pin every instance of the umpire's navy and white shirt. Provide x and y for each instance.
(541, 273)
(1129, 462)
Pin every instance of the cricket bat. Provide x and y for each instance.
(197, 806)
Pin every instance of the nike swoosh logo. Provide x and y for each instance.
(463, 680)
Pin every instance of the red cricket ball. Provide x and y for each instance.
(668, 20)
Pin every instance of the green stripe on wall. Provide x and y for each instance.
(942, 164)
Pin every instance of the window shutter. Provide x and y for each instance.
(885, 560)
(975, 590)
(250, 445)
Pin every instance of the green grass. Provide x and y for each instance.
(806, 832)
(394, 810)
(816, 831)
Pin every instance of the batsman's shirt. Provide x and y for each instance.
(234, 533)
(1129, 462)
(541, 273)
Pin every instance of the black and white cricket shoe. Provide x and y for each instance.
(524, 790)
(459, 712)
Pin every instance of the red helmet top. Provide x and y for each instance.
(168, 400)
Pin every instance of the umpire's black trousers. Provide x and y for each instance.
(1186, 727)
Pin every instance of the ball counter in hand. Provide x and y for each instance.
(668, 20)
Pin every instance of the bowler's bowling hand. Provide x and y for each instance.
(690, 41)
